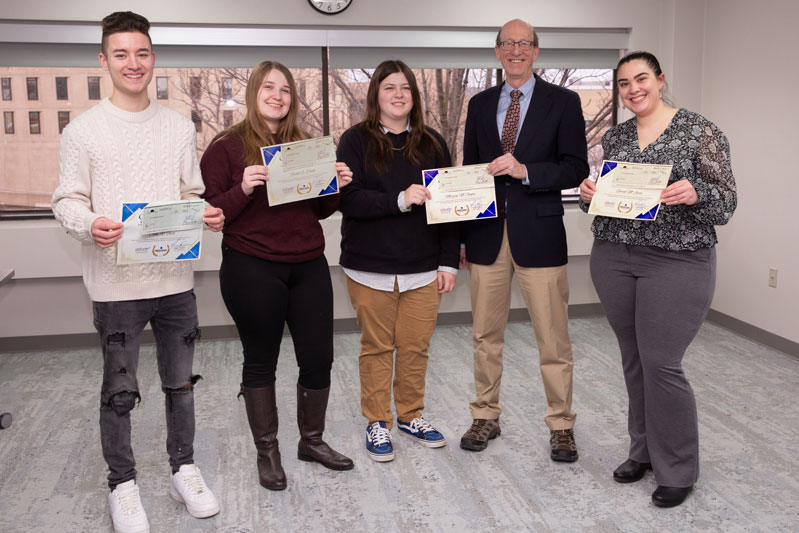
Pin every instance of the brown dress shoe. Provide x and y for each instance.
(477, 437)
(564, 449)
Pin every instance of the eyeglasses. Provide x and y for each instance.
(523, 45)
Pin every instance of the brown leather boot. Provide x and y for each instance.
(262, 415)
(311, 409)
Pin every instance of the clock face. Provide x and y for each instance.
(330, 7)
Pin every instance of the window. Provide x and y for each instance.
(8, 121)
(162, 87)
(196, 87)
(33, 117)
(94, 87)
(6, 82)
(227, 88)
(63, 120)
(198, 121)
(33, 88)
(212, 97)
(61, 88)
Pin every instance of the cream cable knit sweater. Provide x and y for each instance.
(109, 156)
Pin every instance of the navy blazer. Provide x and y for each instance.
(552, 145)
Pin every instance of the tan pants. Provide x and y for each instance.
(391, 321)
(546, 293)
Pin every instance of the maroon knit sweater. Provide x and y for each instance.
(287, 233)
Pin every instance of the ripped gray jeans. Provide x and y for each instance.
(120, 324)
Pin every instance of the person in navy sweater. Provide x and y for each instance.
(397, 266)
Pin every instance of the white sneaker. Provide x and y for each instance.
(127, 513)
(188, 487)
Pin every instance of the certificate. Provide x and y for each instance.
(300, 170)
(459, 193)
(137, 246)
(629, 190)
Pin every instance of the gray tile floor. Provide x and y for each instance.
(52, 476)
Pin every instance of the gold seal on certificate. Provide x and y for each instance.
(161, 231)
(300, 170)
(459, 193)
(629, 190)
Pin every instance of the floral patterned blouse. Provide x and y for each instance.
(700, 153)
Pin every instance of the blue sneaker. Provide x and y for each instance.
(421, 430)
(378, 442)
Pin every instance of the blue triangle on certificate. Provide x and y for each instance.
(649, 215)
(129, 209)
(429, 176)
(192, 253)
(491, 211)
(268, 153)
(331, 189)
(607, 167)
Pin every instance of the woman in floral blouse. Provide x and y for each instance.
(656, 278)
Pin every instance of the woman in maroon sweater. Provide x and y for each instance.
(274, 271)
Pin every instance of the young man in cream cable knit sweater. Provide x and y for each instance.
(129, 148)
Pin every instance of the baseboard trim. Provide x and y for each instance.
(754, 333)
(349, 325)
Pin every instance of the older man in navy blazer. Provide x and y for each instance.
(532, 135)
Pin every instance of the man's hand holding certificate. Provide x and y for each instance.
(300, 170)
(459, 193)
(629, 190)
(161, 231)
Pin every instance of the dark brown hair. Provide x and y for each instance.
(379, 146)
(646, 57)
(124, 21)
(254, 130)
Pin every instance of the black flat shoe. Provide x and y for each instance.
(670, 496)
(630, 471)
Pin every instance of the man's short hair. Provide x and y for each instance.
(535, 35)
(124, 21)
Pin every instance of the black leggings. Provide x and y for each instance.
(262, 296)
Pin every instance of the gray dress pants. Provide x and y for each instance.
(655, 301)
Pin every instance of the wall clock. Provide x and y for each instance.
(330, 7)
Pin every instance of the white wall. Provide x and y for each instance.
(749, 90)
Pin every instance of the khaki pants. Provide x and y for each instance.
(391, 321)
(546, 294)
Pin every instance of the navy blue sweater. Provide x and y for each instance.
(375, 235)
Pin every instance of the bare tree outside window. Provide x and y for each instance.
(61, 92)
(33, 88)
(227, 118)
(94, 87)
(196, 87)
(162, 87)
(63, 120)
(6, 83)
(8, 121)
(35, 127)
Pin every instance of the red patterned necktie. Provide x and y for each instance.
(511, 123)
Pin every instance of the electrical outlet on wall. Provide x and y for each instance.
(772, 277)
